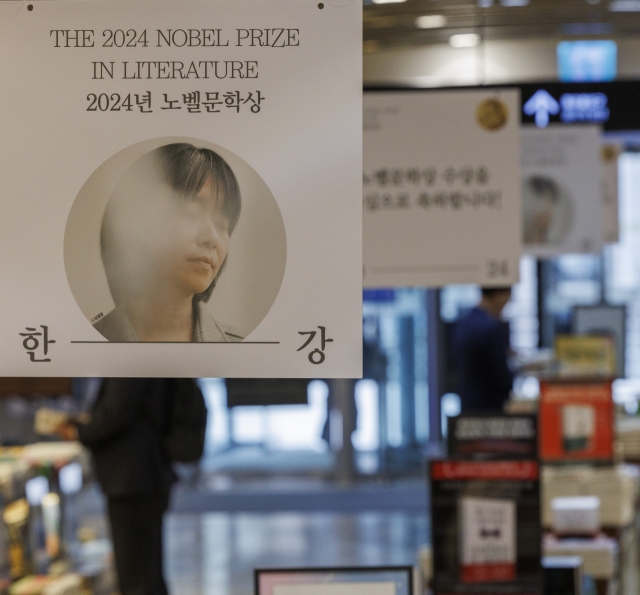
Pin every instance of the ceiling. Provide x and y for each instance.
(394, 24)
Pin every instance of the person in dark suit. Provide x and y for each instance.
(481, 342)
(124, 433)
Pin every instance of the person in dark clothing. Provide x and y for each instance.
(124, 433)
(481, 344)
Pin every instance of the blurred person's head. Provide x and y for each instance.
(167, 225)
(494, 299)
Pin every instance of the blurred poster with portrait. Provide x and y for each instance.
(561, 190)
(441, 195)
(181, 189)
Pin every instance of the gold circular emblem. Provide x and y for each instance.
(492, 114)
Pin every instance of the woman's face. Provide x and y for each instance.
(194, 242)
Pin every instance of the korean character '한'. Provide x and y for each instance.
(30, 343)
(232, 100)
(255, 108)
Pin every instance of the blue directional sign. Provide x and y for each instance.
(572, 107)
(540, 105)
(568, 103)
(614, 105)
(585, 61)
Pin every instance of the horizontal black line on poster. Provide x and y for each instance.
(180, 342)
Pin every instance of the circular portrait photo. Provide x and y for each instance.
(175, 240)
(547, 210)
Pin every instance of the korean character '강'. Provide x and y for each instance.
(316, 356)
(192, 101)
(232, 100)
(255, 98)
(144, 101)
(212, 101)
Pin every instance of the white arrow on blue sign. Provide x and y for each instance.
(540, 105)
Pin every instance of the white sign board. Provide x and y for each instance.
(488, 539)
(561, 192)
(609, 153)
(383, 588)
(181, 188)
(441, 188)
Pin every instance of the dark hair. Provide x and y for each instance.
(491, 291)
(186, 169)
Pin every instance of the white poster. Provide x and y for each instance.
(561, 192)
(382, 588)
(441, 195)
(487, 539)
(609, 153)
(181, 188)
